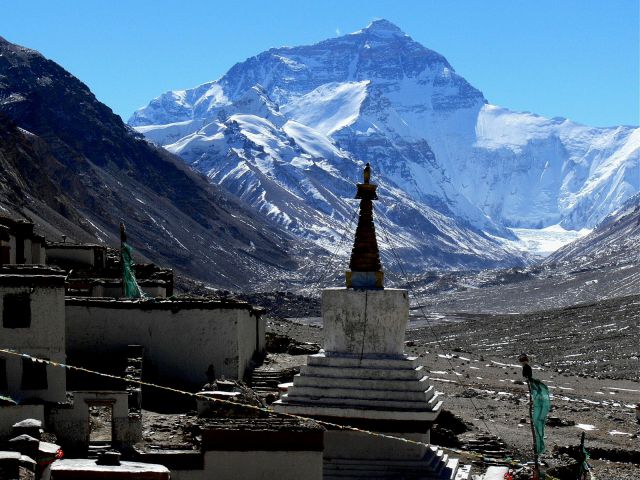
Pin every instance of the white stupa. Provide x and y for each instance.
(363, 378)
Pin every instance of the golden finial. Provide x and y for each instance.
(367, 173)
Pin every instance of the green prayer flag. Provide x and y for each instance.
(584, 466)
(130, 288)
(541, 406)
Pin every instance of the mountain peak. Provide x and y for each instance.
(382, 27)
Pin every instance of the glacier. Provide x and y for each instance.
(289, 129)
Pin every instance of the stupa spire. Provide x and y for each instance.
(365, 270)
(362, 377)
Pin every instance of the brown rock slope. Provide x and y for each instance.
(73, 166)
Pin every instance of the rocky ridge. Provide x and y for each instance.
(70, 164)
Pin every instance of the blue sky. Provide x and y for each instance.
(571, 58)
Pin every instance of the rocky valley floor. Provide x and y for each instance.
(588, 355)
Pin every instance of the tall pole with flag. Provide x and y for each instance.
(583, 456)
(539, 406)
(536, 465)
(130, 288)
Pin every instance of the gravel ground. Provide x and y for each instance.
(588, 356)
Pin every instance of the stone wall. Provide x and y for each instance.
(12, 414)
(78, 254)
(38, 252)
(44, 337)
(27, 251)
(87, 469)
(256, 465)
(70, 422)
(180, 338)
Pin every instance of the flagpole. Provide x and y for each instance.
(123, 239)
(581, 459)
(533, 434)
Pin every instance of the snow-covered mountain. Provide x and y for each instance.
(615, 241)
(297, 176)
(288, 129)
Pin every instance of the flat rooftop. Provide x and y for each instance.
(77, 468)
(31, 275)
(228, 431)
(73, 245)
(181, 303)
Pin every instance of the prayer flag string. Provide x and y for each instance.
(243, 405)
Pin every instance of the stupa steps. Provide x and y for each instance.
(363, 403)
(412, 385)
(359, 411)
(320, 390)
(428, 454)
(434, 465)
(392, 464)
(464, 471)
(358, 372)
(342, 474)
(401, 362)
(452, 466)
(439, 459)
(354, 471)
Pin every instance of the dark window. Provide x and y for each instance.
(34, 375)
(5, 255)
(3, 374)
(16, 310)
(20, 250)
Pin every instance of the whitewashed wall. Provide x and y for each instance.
(44, 338)
(38, 253)
(256, 465)
(81, 255)
(12, 414)
(71, 422)
(179, 343)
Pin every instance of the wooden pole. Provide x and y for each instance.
(581, 458)
(123, 239)
(536, 466)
